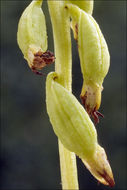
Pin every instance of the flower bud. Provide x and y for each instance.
(75, 130)
(32, 36)
(70, 121)
(94, 58)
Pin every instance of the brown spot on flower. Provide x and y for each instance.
(66, 7)
(76, 29)
(92, 111)
(41, 60)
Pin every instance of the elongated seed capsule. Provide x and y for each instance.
(32, 36)
(62, 108)
(75, 130)
(94, 58)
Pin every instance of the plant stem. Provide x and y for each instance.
(63, 67)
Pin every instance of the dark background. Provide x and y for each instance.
(29, 152)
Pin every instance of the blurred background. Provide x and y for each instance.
(29, 153)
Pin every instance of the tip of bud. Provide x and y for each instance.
(91, 99)
(38, 59)
(108, 180)
(99, 167)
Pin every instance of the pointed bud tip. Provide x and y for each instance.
(91, 99)
(99, 167)
(107, 179)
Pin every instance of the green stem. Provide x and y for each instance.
(63, 67)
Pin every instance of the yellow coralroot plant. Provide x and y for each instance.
(70, 120)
